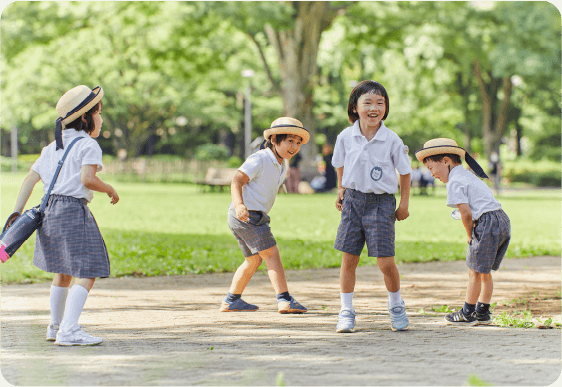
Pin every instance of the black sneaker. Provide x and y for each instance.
(483, 318)
(459, 318)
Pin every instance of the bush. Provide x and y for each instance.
(540, 174)
(209, 152)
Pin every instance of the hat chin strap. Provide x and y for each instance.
(58, 133)
(473, 164)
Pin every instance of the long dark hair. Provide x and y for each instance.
(89, 125)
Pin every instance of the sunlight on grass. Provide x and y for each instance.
(163, 229)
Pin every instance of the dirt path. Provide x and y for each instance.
(168, 331)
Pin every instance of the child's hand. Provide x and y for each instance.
(339, 199)
(401, 213)
(113, 195)
(468, 239)
(242, 212)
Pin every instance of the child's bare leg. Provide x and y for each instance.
(487, 288)
(347, 272)
(87, 283)
(244, 274)
(390, 272)
(474, 287)
(275, 269)
(62, 280)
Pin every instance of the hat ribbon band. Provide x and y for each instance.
(58, 129)
(285, 126)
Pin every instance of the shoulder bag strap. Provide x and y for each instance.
(61, 161)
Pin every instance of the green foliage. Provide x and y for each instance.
(474, 380)
(209, 152)
(541, 174)
(523, 319)
(280, 379)
(182, 230)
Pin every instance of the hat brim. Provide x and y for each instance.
(439, 150)
(288, 129)
(98, 96)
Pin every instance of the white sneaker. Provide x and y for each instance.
(76, 336)
(52, 330)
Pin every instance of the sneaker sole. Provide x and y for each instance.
(293, 311)
(399, 329)
(238, 310)
(51, 339)
(345, 330)
(462, 323)
(76, 344)
(484, 322)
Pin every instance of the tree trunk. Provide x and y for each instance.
(493, 125)
(297, 51)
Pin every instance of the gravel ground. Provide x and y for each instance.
(168, 331)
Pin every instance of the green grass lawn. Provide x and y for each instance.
(165, 229)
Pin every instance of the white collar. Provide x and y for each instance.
(273, 157)
(381, 135)
(71, 133)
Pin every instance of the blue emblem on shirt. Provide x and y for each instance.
(376, 173)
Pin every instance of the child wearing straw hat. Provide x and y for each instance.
(254, 189)
(69, 242)
(366, 157)
(487, 226)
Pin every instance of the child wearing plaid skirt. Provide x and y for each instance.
(366, 157)
(69, 242)
(254, 189)
(487, 226)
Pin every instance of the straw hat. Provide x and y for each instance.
(73, 104)
(439, 146)
(77, 101)
(287, 125)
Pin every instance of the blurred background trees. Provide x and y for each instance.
(486, 74)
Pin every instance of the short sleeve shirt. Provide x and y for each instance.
(266, 176)
(370, 166)
(69, 181)
(465, 187)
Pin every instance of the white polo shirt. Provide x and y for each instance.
(266, 176)
(69, 182)
(465, 187)
(369, 166)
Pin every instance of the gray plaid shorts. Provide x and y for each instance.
(367, 217)
(490, 238)
(254, 235)
(69, 240)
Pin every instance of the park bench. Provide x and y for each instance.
(218, 178)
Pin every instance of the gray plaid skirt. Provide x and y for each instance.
(69, 240)
(370, 218)
(254, 235)
(490, 238)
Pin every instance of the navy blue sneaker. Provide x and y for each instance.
(237, 306)
(459, 318)
(290, 306)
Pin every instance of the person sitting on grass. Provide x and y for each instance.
(487, 225)
(254, 189)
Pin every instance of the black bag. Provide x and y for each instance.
(25, 225)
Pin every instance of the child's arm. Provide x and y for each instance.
(91, 181)
(402, 211)
(239, 181)
(466, 216)
(341, 190)
(26, 189)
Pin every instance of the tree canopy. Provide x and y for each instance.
(485, 74)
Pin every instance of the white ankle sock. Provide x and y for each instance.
(394, 298)
(74, 305)
(346, 300)
(58, 301)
